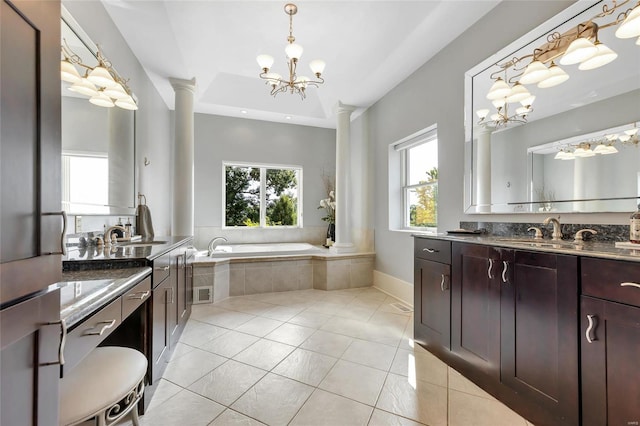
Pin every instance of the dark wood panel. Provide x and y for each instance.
(431, 249)
(610, 373)
(603, 278)
(432, 295)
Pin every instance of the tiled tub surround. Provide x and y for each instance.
(509, 229)
(245, 276)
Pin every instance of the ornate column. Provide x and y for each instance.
(343, 242)
(182, 212)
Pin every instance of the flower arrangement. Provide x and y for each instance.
(329, 204)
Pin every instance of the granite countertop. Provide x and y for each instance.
(84, 292)
(146, 250)
(604, 249)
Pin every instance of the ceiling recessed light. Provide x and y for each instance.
(244, 111)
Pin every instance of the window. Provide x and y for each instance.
(419, 180)
(262, 195)
(85, 182)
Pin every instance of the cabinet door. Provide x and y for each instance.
(163, 309)
(539, 357)
(30, 241)
(29, 371)
(475, 306)
(432, 297)
(174, 314)
(610, 343)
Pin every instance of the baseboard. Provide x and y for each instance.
(393, 286)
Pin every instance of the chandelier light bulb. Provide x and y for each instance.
(600, 149)
(102, 100)
(603, 56)
(556, 76)
(610, 150)
(630, 27)
(294, 51)
(518, 93)
(317, 67)
(499, 90)
(559, 155)
(265, 62)
(100, 76)
(84, 87)
(624, 138)
(482, 113)
(535, 72)
(579, 50)
(68, 72)
(116, 92)
(127, 103)
(568, 156)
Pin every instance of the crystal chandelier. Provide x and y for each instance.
(579, 45)
(101, 83)
(294, 83)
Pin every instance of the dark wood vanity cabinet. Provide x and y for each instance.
(610, 342)
(432, 287)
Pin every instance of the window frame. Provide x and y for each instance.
(263, 194)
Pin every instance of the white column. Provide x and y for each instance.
(182, 212)
(343, 242)
(483, 170)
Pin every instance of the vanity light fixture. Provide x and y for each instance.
(603, 145)
(104, 86)
(293, 83)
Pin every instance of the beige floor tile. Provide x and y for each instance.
(356, 312)
(230, 344)
(179, 350)
(282, 313)
(460, 383)
(228, 382)
(310, 319)
(241, 304)
(164, 391)
(327, 409)
(264, 354)
(199, 333)
(327, 343)
(420, 365)
(291, 334)
(190, 367)
(185, 408)
(220, 317)
(382, 418)
(259, 326)
(417, 400)
(274, 400)
(305, 366)
(372, 354)
(354, 381)
(465, 409)
(233, 418)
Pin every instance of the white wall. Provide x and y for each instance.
(153, 128)
(435, 94)
(225, 139)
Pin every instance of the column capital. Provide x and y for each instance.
(341, 108)
(180, 84)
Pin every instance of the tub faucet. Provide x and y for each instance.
(557, 228)
(213, 244)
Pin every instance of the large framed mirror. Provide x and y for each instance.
(515, 141)
(98, 143)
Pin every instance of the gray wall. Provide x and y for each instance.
(435, 94)
(153, 126)
(225, 139)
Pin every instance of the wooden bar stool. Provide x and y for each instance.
(106, 385)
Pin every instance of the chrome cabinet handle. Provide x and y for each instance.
(442, 286)
(489, 270)
(63, 248)
(142, 295)
(63, 341)
(505, 268)
(630, 285)
(428, 250)
(107, 325)
(592, 322)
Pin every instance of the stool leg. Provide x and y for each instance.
(134, 416)
(101, 420)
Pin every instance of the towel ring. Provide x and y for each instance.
(140, 198)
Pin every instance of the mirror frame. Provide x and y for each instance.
(580, 7)
(67, 19)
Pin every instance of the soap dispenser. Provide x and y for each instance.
(127, 226)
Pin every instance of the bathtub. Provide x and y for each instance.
(267, 249)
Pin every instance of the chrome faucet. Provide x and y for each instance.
(557, 228)
(107, 234)
(212, 244)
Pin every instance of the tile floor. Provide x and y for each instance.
(313, 357)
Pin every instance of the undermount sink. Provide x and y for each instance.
(139, 243)
(538, 243)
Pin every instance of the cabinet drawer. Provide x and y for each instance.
(614, 280)
(84, 338)
(161, 269)
(136, 297)
(434, 250)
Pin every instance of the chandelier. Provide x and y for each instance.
(101, 83)
(602, 146)
(294, 83)
(579, 45)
